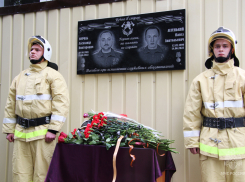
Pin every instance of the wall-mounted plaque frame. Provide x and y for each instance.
(143, 42)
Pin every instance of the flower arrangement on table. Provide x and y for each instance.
(109, 129)
(105, 128)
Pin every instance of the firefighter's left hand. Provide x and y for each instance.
(49, 137)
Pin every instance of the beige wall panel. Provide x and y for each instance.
(103, 92)
(41, 23)
(163, 102)
(147, 98)
(212, 15)
(163, 5)
(132, 90)
(0, 59)
(65, 50)
(90, 93)
(104, 10)
(178, 4)
(29, 30)
(18, 44)
(91, 81)
(2, 138)
(65, 43)
(178, 100)
(118, 79)
(177, 107)
(132, 80)
(6, 79)
(6, 58)
(212, 12)
(118, 9)
(77, 81)
(195, 42)
(155, 99)
(239, 33)
(53, 33)
(231, 20)
(118, 93)
(147, 6)
(10, 156)
(132, 7)
(90, 12)
(241, 44)
(17, 55)
(195, 65)
(10, 166)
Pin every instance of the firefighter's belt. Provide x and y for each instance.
(222, 123)
(26, 123)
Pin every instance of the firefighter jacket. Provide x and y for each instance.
(36, 92)
(216, 93)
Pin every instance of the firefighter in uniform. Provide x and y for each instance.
(36, 109)
(214, 123)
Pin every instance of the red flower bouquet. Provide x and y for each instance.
(62, 137)
(104, 128)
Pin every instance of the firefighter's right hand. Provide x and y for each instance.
(10, 137)
(195, 150)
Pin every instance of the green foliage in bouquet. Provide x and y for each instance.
(105, 130)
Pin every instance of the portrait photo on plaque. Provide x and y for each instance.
(135, 43)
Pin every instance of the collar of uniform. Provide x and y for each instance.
(223, 68)
(38, 67)
(112, 53)
(158, 49)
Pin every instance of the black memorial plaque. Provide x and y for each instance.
(143, 42)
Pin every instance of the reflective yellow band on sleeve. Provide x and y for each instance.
(31, 134)
(222, 152)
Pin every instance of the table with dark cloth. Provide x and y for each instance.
(93, 163)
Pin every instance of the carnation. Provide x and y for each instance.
(104, 128)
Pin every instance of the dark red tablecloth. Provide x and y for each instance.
(89, 163)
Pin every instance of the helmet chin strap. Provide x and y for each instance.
(35, 61)
(222, 59)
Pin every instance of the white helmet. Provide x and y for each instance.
(47, 49)
(221, 33)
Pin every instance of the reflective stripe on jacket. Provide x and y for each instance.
(36, 92)
(217, 92)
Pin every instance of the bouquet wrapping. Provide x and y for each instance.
(105, 128)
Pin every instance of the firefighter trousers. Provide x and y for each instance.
(31, 160)
(215, 170)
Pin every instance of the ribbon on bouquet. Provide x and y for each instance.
(114, 158)
(131, 148)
